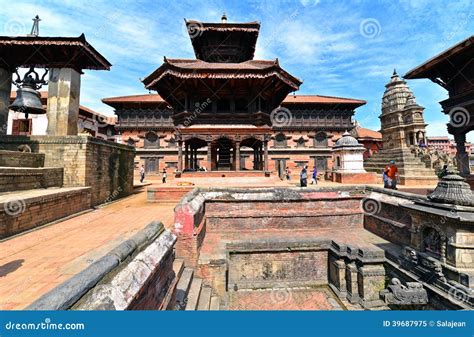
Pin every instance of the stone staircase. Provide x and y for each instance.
(409, 165)
(32, 195)
(191, 293)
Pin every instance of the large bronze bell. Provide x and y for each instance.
(28, 100)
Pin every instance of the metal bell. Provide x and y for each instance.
(28, 100)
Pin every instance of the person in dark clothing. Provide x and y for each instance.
(314, 178)
(304, 177)
(165, 175)
(142, 173)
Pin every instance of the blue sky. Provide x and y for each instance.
(338, 48)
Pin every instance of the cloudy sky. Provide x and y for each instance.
(338, 48)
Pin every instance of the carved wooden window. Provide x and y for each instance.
(320, 140)
(131, 142)
(280, 140)
(300, 142)
(172, 142)
(21, 127)
(152, 140)
(321, 163)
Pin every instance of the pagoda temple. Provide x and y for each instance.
(226, 111)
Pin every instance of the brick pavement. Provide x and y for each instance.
(284, 299)
(33, 263)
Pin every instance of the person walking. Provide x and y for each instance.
(165, 175)
(314, 178)
(287, 173)
(142, 173)
(391, 175)
(304, 177)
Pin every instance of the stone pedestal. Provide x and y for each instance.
(63, 101)
(371, 281)
(5, 88)
(351, 283)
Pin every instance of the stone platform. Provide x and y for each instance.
(24, 210)
(209, 174)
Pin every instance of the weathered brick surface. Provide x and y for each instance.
(18, 178)
(18, 214)
(21, 159)
(164, 193)
(250, 270)
(105, 166)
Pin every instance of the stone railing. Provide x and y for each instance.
(137, 274)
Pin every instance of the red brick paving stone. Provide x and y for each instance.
(51, 255)
(280, 299)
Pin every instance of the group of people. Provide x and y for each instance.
(304, 176)
(142, 174)
(389, 174)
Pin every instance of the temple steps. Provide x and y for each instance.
(192, 294)
(408, 163)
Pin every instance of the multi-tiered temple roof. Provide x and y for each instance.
(223, 42)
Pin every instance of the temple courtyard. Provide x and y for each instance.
(34, 262)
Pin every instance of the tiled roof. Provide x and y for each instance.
(307, 99)
(193, 68)
(56, 52)
(148, 98)
(367, 133)
(428, 68)
(199, 64)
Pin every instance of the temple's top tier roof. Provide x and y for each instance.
(397, 96)
(50, 52)
(223, 42)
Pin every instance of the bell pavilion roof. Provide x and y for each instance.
(50, 52)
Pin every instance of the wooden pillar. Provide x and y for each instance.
(265, 155)
(180, 156)
(461, 154)
(237, 156)
(195, 161)
(64, 88)
(186, 156)
(255, 165)
(209, 156)
(5, 87)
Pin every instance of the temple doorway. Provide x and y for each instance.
(256, 149)
(224, 154)
(191, 158)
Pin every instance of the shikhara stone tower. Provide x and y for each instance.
(403, 130)
(402, 123)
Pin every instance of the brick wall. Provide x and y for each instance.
(105, 166)
(21, 159)
(18, 178)
(266, 215)
(19, 214)
(251, 270)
